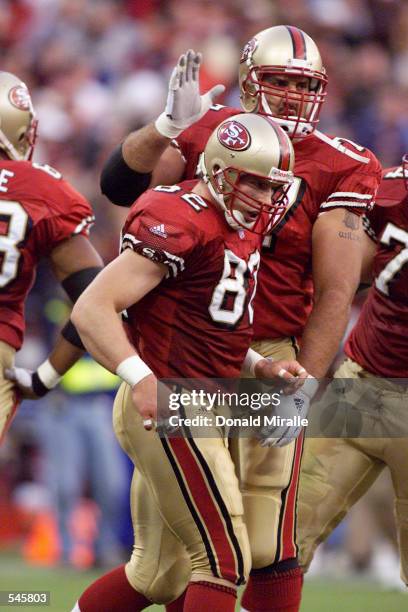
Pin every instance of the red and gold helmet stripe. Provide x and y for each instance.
(298, 42)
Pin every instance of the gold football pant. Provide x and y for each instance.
(8, 401)
(269, 481)
(336, 472)
(186, 508)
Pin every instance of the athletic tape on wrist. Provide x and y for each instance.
(47, 375)
(165, 127)
(251, 359)
(132, 370)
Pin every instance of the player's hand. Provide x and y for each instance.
(144, 396)
(23, 381)
(291, 406)
(184, 104)
(289, 374)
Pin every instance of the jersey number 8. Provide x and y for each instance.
(15, 218)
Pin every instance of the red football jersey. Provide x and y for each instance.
(379, 340)
(330, 173)
(38, 210)
(197, 322)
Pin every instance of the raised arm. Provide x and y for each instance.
(145, 158)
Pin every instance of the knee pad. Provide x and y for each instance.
(164, 585)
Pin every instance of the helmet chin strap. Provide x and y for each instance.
(293, 127)
(220, 199)
(290, 126)
(237, 222)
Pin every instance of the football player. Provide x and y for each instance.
(310, 265)
(186, 277)
(337, 472)
(41, 215)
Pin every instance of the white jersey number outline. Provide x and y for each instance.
(233, 282)
(16, 231)
(392, 232)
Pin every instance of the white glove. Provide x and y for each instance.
(291, 406)
(33, 384)
(184, 104)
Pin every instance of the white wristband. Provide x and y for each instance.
(132, 370)
(48, 375)
(165, 127)
(250, 361)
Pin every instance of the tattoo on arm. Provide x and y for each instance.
(351, 220)
(349, 236)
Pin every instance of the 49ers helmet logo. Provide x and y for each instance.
(20, 98)
(234, 136)
(248, 50)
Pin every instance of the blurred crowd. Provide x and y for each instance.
(98, 69)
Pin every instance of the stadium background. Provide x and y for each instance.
(96, 70)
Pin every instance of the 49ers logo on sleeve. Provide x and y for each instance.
(20, 97)
(234, 136)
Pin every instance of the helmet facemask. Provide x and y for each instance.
(271, 65)
(247, 166)
(224, 185)
(297, 112)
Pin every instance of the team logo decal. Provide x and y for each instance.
(20, 97)
(248, 51)
(234, 136)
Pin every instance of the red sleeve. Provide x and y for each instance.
(158, 228)
(69, 214)
(77, 220)
(391, 193)
(356, 187)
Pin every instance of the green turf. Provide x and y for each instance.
(319, 596)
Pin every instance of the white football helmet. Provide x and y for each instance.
(18, 124)
(249, 144)
(277, 54)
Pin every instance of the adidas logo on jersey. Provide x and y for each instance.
(159, 230)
